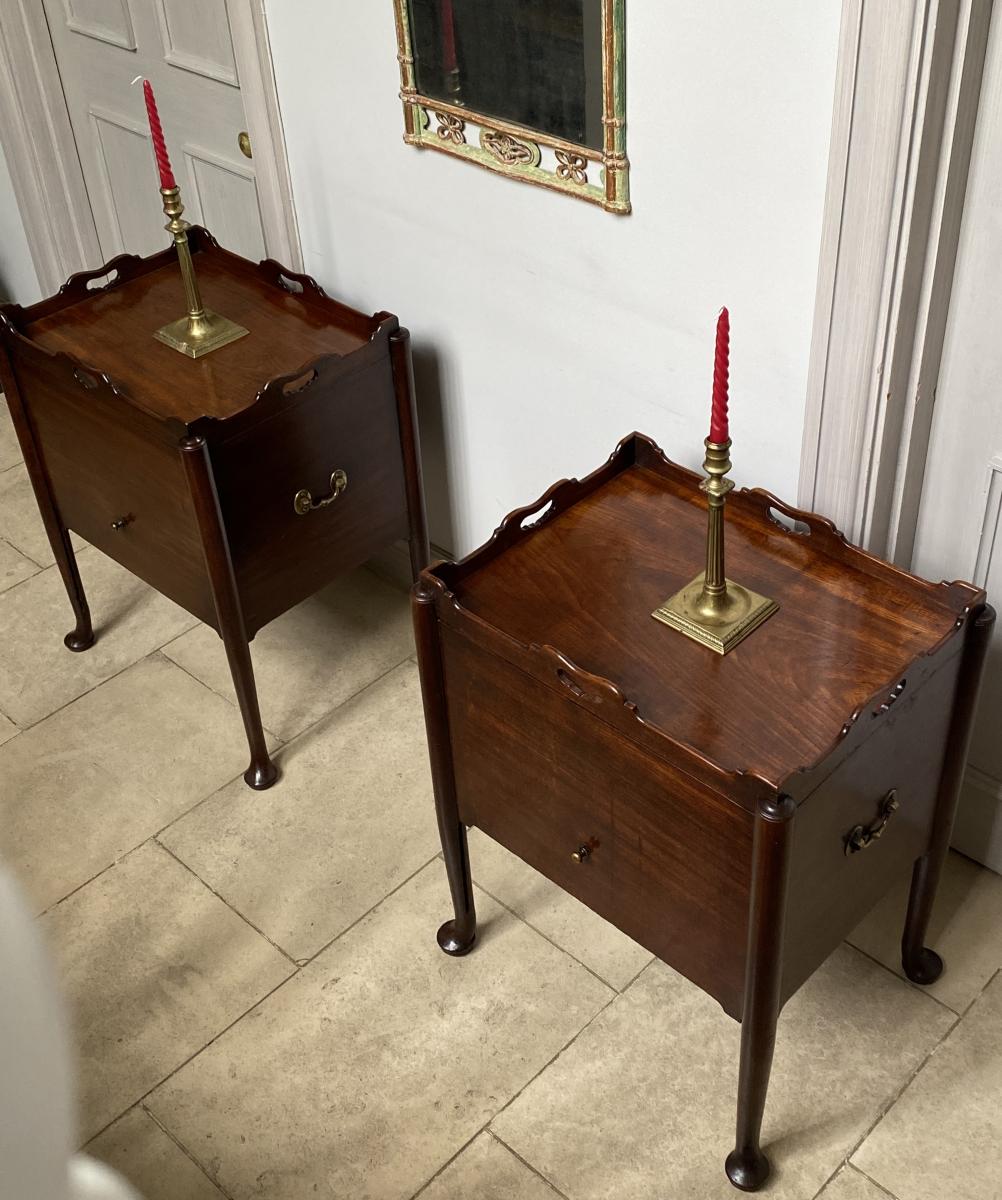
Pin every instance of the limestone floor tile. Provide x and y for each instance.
(20, 522)
(91, 782)
(10, 450)
(154, 966)
(642, 1104)
(14, 567)
(943, 1137)
(352, 818)
(315, 656)
(488, 1171)
(966, 930)
(38, 674)
(7, 730)
(152, 1162)
(366, 1073)
(849, 1184)
(557, 915)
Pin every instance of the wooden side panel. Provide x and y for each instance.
(829, 891)
(333, 421)
(107, 463)
(669, 861)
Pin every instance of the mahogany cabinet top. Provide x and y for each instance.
(584, 575)
(110, 329)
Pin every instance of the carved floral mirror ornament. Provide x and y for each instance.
(533, 89)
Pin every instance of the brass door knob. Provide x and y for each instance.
(244, 142)
(581, 854)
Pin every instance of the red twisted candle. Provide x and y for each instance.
(449, 59)
(719, 432)
(157, 133)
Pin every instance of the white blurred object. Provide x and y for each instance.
(36, 1083)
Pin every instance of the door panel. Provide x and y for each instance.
(960, 519)
(123, 156)
(198, 39)
(224, 193)
(107, 20)
(184, 48)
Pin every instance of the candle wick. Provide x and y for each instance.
(135, 81)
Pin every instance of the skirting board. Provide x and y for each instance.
(394, 563)
(978, 831)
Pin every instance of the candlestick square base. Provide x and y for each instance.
(209, 333)
(741, 612)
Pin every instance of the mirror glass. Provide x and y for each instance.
(537, 63)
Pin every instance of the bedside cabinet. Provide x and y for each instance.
(237, 484)
(736, 815)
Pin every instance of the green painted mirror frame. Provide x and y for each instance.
(599, 175)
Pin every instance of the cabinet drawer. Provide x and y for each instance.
(831, 890)
(107, 465)
(668, 860)
(333, 422)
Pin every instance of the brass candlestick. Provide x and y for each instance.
(712, 609)
(201, 331)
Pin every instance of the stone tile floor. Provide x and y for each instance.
(261, 1010)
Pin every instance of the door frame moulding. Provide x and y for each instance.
(908, 86)
(41, 152)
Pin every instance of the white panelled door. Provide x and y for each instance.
(960, 520)
(184, 48)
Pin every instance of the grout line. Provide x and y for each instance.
(525, 1162)
(869, 1178)
(154, 837)
(563, 950)
(34, 562)
(194, 1054)
(916, 987)
(449, 1161)
(257, 1003)
(184, 1149)
(886, 1108)
(246, 920)
(382, 900)
(283, 742)
(160, 650)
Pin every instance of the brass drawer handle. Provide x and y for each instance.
(861, 836)
(304, 502)
(121, 523)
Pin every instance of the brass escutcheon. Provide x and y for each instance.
(304, 502)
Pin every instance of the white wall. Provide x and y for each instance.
(18, 280)
(546, 329)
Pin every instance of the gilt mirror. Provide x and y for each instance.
(532, 89)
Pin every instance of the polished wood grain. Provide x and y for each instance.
(132, 499)
(333, 418)
(709, 807)
(113, 329)
(185, 471)
(590, 576)
(543, 777)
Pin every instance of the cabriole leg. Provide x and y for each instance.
(747, 1166)
(81, 637)
(403, 383)
(921, 964)
(458, 935)
(262, 772)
